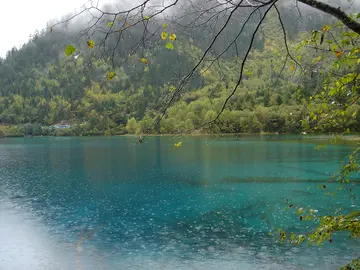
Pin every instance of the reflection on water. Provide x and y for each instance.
(109, 203)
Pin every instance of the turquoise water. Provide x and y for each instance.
(209, 204)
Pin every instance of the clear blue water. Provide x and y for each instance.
(209, 204)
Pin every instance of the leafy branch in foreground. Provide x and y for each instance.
(353, 265)
(339, 94)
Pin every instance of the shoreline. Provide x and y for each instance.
(349, 137)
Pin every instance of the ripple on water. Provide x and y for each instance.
(206, 209)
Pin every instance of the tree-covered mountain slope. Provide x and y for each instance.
(40, 86)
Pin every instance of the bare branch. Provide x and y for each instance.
(188, 76)
(233, 42)
(243, 62)
(288, 54)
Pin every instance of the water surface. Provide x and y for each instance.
(109, 203)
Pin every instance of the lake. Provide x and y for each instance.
(213, 203)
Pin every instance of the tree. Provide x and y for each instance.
(132, 126)
(141, 17)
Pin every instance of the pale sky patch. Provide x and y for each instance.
(21, 18)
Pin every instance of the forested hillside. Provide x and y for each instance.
(40, 86)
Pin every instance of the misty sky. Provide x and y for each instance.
(20, 18)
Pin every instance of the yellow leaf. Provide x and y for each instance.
(177, 145)
(292, 67)
(90, 44)
(172, 37)
(144, 61)
(164, 35)
(325, 28)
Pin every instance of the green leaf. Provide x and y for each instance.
(147, 18)
(169, 46)
(110, 24)
(358, 16)
(111, 75)
(345, 42)
(355, 50)
(164, 35)
(172, 88)
(314, 35)
(164, 25)
(69, 50)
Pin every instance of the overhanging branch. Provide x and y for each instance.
(336, 12)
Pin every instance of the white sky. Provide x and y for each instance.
(20, 18)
